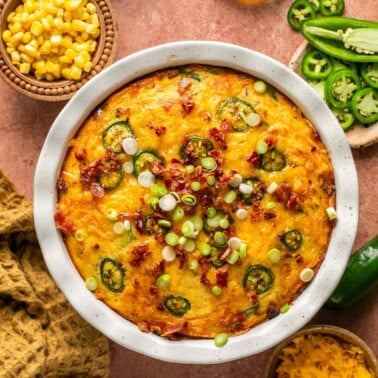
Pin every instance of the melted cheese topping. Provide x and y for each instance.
(164, 110)
(319, 356)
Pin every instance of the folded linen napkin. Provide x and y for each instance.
(41, 335)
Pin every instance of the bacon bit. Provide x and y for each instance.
(217, 155)
(157, 269)
(225, 125)
(160, 307)
(156, 167)
(205, 280)
(61, 185)
(97, 190)
(270, 142)
(127, 216)
(184, 85)
(188, 106)
(272, 311)
(290, 199)
(299, 259)
(219, 136)
(144, 326)
(140, 252)
(153, 290)
(172, 329)
(252, 296)
(122, 112)
(254, 159)
(171, 73)
(159, 130)
(269, 215)
(167, 105)
(81, 154)
(222, 276)
(63, 223)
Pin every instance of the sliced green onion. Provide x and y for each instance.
(261, 147)
(260, 86)
(245, 188)
(127, 224)
(331, 212)
(128, 167)
(220, 239)
(146, 179)
(211, 180)
(182, 240)
(220, 339)
(167, 202)
(209, 164)
(285, 308)
(111, 214)
(172, 239)
(241, 214)
(216, 290)
(235, 181)
(153, 202)
(178, 214)
(306, 274)
(188, 229)
(213, 222)
(205, 249)
(119, 228)
(158, 190)
(230, 196)
(196, 186)
(198, 222)
(163, 281)
(91, 283)
(193, 264)
(189, 199)
(189, 246)
(274, 255)
(234, 243)
(269, 205)
(190, 168)
(211, 212)
(168, 253)
(233, 258)
(224, 223)
(243, 250)
(253, 119)
(164, 223)
(272, 187)
(80, 235)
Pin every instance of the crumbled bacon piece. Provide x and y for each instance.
(254, 159)
(184, 85)
(144, 326)
(81, 154)
(188, 106)
(120, 111)
(61, 185)
(97, 190)
(153, 290)
(205, 280)
(219, 136)
(222, 276)
(167, 105)
(225, 125)
(173, 72)
(156, 167)
(290, 199)
(172, 329)
(272, 311)
(63, 223)
(139, 252)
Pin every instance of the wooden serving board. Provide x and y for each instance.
(358, 136)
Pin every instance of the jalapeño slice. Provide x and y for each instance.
(292, 239)
(272, 160)
(299, 11)
(251, 310)
(142, 160)
(369, 72)
(235, 110)
(112, 274)
(345, 117)
(258, 278)
(195, 148)
(112, 174)
(115, 134)
(316, 65)
(364, 105)
(340, 87)
(331, 7)
(176, 305)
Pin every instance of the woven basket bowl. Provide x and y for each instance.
(59, 90)
(336, 332)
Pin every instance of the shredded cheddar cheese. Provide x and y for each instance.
(317, 356)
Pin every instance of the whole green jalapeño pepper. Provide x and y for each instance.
(361, 275)
(345, 38)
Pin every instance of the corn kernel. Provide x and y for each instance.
(66, 42)
(78, 25)
(25, 68)
(46, 25)
(91, 8)
(40, 67)
(76, 72)
(26, 38)
(25, 58)
(7, 35)
(45, 47)
(36, 28)
(30, 50)
(87, 67)
(15, 28)
(15, 57)
(71, 53)
(55, 39)
(16, 38)
(72, 5)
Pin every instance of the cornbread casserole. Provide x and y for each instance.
(196, 200)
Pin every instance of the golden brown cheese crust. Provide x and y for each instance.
(165, 109)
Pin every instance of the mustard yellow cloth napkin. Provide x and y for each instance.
(40, 333)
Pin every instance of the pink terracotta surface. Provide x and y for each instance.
(24, 124)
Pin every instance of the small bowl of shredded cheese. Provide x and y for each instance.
(322, 351)
(50, 48)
